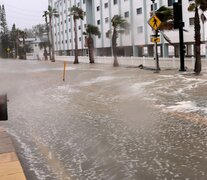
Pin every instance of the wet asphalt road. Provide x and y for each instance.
(106, 123)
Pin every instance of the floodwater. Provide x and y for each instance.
(106, 123)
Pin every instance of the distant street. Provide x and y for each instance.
(106, 123)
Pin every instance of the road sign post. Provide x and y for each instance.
(155, 22)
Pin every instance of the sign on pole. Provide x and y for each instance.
(154, 22)
(155, 39)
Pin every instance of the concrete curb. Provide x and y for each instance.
(10, 166)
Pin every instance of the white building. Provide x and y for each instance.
(135, 43)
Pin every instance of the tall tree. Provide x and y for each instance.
(44, 45)
(45, 15)
(120, 25)
(51, 13)
(196, 6)
(23, 35)
(13, 36)
(76, 13)
(5, 40)
(91, 30)
(4, 26)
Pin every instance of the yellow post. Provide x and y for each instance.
(64, 70)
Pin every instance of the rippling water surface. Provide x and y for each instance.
(105, 123)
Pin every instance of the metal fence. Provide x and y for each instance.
(136, 61)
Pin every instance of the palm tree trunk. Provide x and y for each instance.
(52, 41)
(90, 49)
(76, 42)
(114, 46)
(24, 50)
(48, 37)
(197, 68)
(45, 53)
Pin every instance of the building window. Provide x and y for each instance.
(98, 22)
(98, 8)
(170, 2)
(84, 1)
(66, 41)
(106, 5)
(106, 20)
(139, 10)
(139, 29)
(78, 4)
(126, 14)
(79, 27)
(115, 2)
(79, 38)
(152, 6)
(192, 21)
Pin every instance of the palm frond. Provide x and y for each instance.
(77, 12)
(192, 7)
(167, 38)
(203, 18)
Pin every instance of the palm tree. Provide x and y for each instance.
(120, 25)
(45, 15)
(23, 35)
(76, 13)
(165, 15)
(44, 45)
(196, 6)
(90, 31)
(52, 13)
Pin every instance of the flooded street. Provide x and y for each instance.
(106, 123)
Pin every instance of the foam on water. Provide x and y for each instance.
(140, 87)
(186, 106)
(30, 156)
(97, 80)
(50, 69)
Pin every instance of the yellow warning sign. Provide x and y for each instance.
(154, 22)
(155, 39)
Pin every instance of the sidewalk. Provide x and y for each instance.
(10, 167)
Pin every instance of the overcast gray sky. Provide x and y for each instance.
(24, 13)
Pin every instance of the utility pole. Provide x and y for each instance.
(179, 24)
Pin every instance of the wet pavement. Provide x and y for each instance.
(106, 123)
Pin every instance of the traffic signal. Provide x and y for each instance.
(184, 49)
